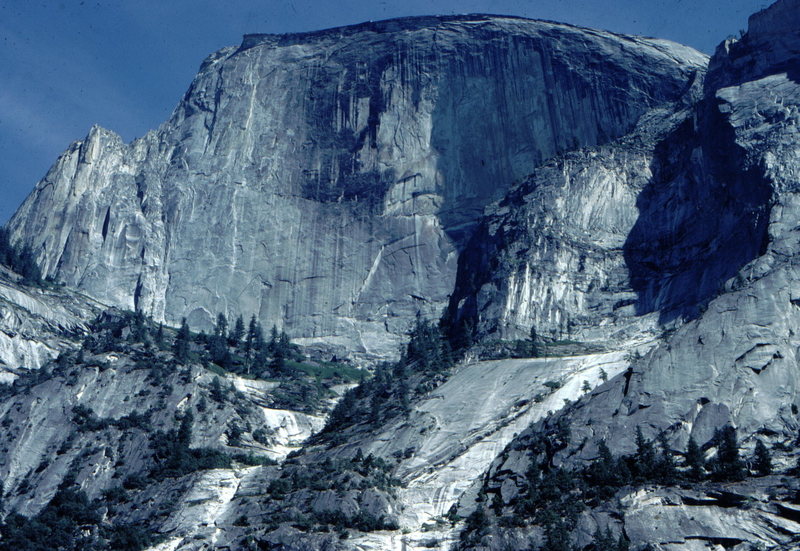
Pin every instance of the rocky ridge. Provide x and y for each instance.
(734, 363)
(687, 278)
(37, 323)
(327, 181)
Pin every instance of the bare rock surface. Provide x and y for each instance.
(36, 323)
(333, 183)
(327, 181)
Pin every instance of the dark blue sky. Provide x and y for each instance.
(124, 64)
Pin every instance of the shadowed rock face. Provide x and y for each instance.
(736, 362)
(654, 223)
(326, 182)
(716, 238)
(244, 199)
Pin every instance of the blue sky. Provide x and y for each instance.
(124, 64)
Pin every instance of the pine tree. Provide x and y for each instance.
(762, 462)
(463, 335)
(666, 472)
(237, 333)
(533, 343)
(556, 537)
(139, 332)
(261, 353)
(253, 335)
(221, 328)
(645, 456)
(604, 472)
(215, 390)
(181, 344)
(185, 430)
(694, 460)
(6, 251)
(727, 465)
(27, 267)
(218, 343)
(427, 350)
(159, 338)
(280, 349)
(604, 541)
(273, 339)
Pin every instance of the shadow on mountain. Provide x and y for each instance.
(702, 217)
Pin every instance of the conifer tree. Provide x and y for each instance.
(221, 328)
(727, 465)
(557, 537)
(427, 350)
(253, 332)
(666, 471)
(604, 540)
(273, 339)
(27, 267)
(159, 338)
(218, 343)
(533, 343)
(237, 333)
(694, 459)
(603, 470)
(645, 456)
(6, 250)
(762, 462)
(181, 344)
(280, 349)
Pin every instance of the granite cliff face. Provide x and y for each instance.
(734, 362)
(37, 324)
(335, 181)
(714, 242)
(327, 181)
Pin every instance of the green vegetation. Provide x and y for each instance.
(530, 347)
(553, 497)
(762, 462)
(330, 371)
(87, 421)
(173, 457)
(423, 365)
(301, 481)
(495, 349)
(73, 523)
(304, 384)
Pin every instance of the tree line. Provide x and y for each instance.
(239, 350)
(553, 497)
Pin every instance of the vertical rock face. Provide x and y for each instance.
(736, 362)
(327, 181)
(715, 239)
(655, 222)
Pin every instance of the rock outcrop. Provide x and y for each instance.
(733, 363)
(737, 358)
(327, 181)
(334, 182)
(38, 323)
